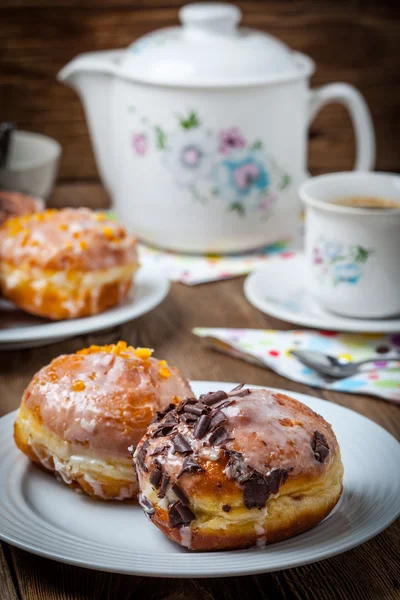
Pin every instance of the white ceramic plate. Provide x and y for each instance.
(46, 518)
(278, 289)
(20, 330)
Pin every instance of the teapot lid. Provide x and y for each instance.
(209, 49)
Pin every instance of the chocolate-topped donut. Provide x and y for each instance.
(231, 470)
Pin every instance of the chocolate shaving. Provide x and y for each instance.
(155, 477)
(257, 487)
(181, 444)
(190, 466)
(189, 419)
(179, 493)
(202, 427)
(163, 429)
(160, 414)
(141, 455)
(227, 508)
(237, 388)
(146, 505)
(180, 515)
(238, 392)
(196, 409)
(236, 468)
(255, 490)
(276, 478)
(171, 419)
(219, 436)
(213, 397)
(320, 447)
(217, 419)
(164, 485)
(160, 450)
(181, 406)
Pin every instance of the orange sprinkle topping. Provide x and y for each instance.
(83, 245)
(34, 243)
(108, 232)
(163, 370)
(41, 216)
(76, 234)
(121, 349)
(78, 385)
(63, 227)
(100, 217)
(14, 226)
(143, 353)
(68, 245)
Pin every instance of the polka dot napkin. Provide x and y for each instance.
(381, 378)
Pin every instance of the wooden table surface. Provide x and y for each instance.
(370, 571)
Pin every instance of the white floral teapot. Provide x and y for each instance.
(200, 131)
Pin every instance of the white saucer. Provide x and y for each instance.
(20, 330)
(278, 289)
(45, 517)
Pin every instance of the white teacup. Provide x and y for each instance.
(32, 165)
(353, 254)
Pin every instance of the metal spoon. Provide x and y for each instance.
(334, 367)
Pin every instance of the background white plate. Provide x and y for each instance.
(20, 330)
(42, 516)
(278, 289)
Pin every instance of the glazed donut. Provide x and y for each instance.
(80, 413)
(236, 470)
(67, 263)
(13, 204)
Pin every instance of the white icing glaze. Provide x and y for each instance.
(186, 536)
(119, 397)
(210, 453)
(64, 238)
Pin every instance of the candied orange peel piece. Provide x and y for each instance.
(120, 349)
(108, 232)
(163, 370)
(78, 385)
(143, 353)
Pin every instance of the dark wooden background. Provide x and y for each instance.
(357, 41)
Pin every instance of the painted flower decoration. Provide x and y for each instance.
(242, 179)
(347, 273)
(333, 250)
(230, 139)
(190, 153)
(338, 262)
(139, 143)
(317, 256)
(215, 165)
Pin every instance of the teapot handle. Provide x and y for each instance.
(360, 116)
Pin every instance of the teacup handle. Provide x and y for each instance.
(360, 116)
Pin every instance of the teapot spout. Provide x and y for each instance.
(91, 76)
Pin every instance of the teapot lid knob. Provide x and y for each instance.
(215, 16)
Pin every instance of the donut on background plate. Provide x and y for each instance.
(67, 263)
(13, 204)
(235, 470)
(80, 413)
